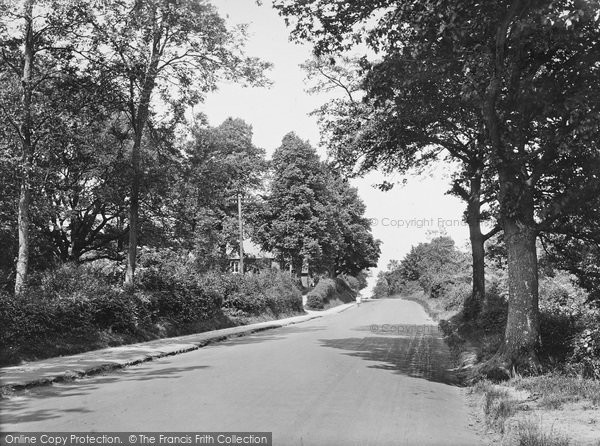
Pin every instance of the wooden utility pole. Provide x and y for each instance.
(241, 227)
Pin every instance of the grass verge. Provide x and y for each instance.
(546, 410)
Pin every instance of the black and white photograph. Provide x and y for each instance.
(300, 222)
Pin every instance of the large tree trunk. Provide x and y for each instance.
(522, 335)
(27, 153)
(521, 338)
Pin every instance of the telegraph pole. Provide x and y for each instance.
(241, 228)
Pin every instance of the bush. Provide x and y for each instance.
(328, 290)
(74, 308)
(283, 296)
(352, 282)
(321, 294)
(269, 291)
(315, 302)
(585, 359)
(569, 326)
(344, 290)
(455, 296)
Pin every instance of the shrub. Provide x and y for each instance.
(557, 331)
(315, 302)
(321, 294)
(283, 296)
(455, 296)
(352, 282)
(585, 359)
(569, 327)
(344, 290)
(495, 310)
(221, 284)
(328, 290)
(267, 292)
(76, 308)
(176, 288)
(163, 269)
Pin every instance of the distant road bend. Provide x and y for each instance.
(372, 375)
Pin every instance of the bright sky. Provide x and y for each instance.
(402, 217)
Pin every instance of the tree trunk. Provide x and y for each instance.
(27, 153)
(522, 335)
(23, 225)
(332, 271)
(474, 302)
(120, 244)
(139, 124)
(297, 266)
(134, 208)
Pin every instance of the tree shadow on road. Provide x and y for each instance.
(418, 356)
(12, 408)
(11, 414)
(268, 335)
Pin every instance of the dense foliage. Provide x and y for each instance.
(332, 291)
(508, 90)
(119, 205)
(437, 267)
(77, 307)
(313, 217)
(569, 321)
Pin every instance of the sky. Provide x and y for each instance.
(407, 215)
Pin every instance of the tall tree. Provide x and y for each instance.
(32, 53)
(348, 245)
(531, 68)
(220, 163)
(83, 176)
(312, 215)
(291, 223)
(179, 48)
(410, 113)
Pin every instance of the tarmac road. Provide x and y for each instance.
(377, 374)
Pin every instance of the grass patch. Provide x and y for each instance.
(555, 389)
(530, 434)
(506, 406)
(498, 406)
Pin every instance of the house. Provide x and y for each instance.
(254, 259)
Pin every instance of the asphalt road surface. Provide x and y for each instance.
(377, 374)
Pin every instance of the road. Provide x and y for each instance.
(344, 379)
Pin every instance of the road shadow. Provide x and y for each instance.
(12, 414)
(420, 355)
(12, 407)
(276, 334)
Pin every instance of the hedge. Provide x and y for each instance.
(77, 308)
